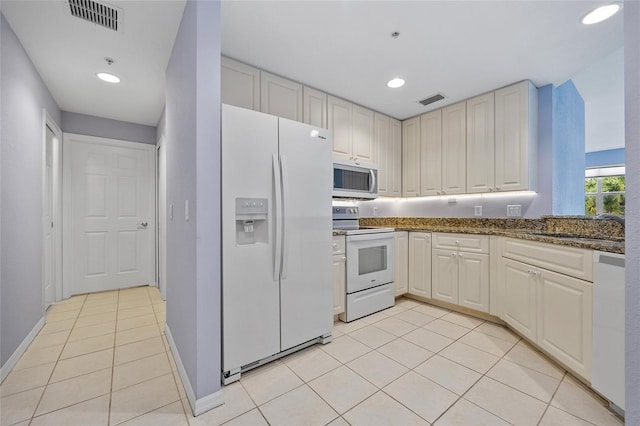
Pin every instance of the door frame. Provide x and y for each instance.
(161, 216)
(56, 214)
(66, 198)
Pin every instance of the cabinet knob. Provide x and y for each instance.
(497, 188)
(335, 245)
(444, 192)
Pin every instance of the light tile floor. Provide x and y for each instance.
(102, 359)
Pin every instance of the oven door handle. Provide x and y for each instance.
(371, 236)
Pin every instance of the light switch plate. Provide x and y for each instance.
(514, 210)
(186, 210)
(477, 210)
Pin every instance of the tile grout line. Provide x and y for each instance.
(33, 415)
(113, 361)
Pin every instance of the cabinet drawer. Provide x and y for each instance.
(463, 242)
(338, 244)
(572, 261)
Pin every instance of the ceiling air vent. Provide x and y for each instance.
(432, 99)
(97, 13)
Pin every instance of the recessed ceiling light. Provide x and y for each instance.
(109, 78)
(394, 83)
(601, 13)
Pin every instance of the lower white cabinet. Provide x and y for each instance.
(551, 309)
(339, 274)
(420, 264)
(565, 315)
(460, 276)
(519, 298)
(402, 262)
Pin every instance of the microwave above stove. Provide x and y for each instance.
(355, 180)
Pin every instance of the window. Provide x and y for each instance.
(604, 191)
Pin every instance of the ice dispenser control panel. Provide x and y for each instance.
(251, 221)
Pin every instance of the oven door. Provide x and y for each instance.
(370, 260)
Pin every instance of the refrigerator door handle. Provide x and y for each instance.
(277, 255)
(285, 234)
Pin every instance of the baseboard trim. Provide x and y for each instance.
(15, 357)
(198, 406)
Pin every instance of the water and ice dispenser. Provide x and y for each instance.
(251, 221)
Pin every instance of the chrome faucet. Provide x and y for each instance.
(615, 217)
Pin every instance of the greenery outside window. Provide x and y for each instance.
(604, 191)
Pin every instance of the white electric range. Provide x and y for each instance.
(370, 254)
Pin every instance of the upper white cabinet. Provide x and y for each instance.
(516, 137)
(401, 262)
(387, 137)
(352, 129)
(480, 143)
(411, 157)
(420, 264)
(362, 142)
(431, 153)
(314, 107)
(281, 97)
(239, 84)
(485, 144)
(454, 149)
(339, 120)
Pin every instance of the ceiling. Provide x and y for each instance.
(68, 52)
(458, 48)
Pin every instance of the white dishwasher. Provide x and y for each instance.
(607, 376)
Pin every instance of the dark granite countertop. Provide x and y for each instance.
(575, 231)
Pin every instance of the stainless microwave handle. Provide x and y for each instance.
(372, 187)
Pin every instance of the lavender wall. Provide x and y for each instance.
(632, 146)
(106, 128)
(24, 95)
(192, 120)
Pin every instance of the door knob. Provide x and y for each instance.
(143, 224)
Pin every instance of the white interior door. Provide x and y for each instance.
(109, 214)
(49, 270)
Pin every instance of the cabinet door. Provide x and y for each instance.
(281, 97)
(480, 143)
(411, 157)
(239, 84)
(431, 153)
(339, 120)
(565, 310)
(519, 298)
(395, 155)
(362, 146)
(339, 290)
(420, 264)
(516, 124)
(454, 149)
(385, 160)
(314, 107)
(473, 281)
(402, 263)
(444, 277)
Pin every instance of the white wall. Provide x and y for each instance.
(107, 128)
(23, 96)
(632, 131)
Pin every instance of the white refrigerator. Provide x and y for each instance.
(276, 238)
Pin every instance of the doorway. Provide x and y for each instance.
(51, 213)
(109, 214)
